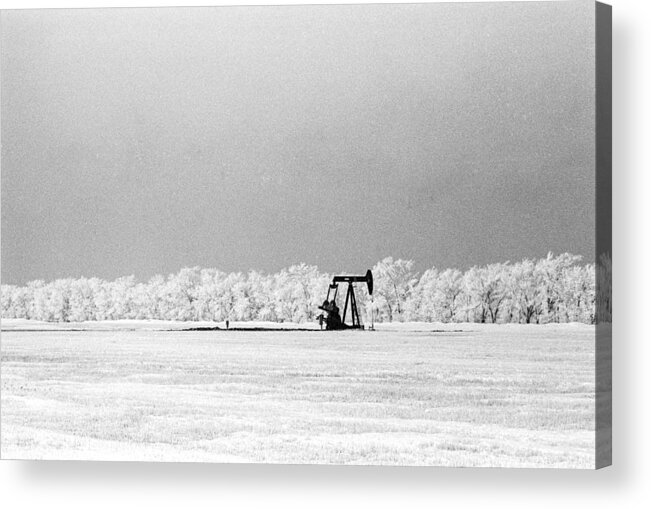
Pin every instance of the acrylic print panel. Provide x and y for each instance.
(352, 234)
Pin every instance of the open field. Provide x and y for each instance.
(492, 395)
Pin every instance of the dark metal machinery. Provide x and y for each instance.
(333, 320)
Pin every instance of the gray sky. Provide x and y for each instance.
(142, 141)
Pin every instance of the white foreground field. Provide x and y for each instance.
(406, 394)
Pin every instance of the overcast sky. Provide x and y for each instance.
(142, 141)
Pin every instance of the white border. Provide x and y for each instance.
(626, 484)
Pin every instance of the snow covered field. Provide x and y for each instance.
(408, 394)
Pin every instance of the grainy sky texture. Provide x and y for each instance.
(142, 141)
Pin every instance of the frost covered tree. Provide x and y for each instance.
(551, 275)
(578, 297)
(298, 291)
(486, 289)
(119, 298)
(263, 306)
(450, 287)
(527, 295)
(425, 302)
(7, 294)
(394, 281)
(80, 300)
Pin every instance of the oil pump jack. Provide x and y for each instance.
(335, 321)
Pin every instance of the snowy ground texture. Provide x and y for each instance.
(405, 394)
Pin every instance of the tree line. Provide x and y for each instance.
(552, 289)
